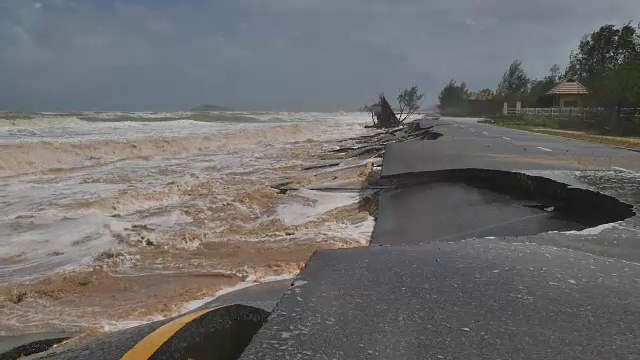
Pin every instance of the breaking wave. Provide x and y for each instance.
(97, 207)
(10, 119)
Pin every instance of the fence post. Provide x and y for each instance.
(505, 109)
(518, 106)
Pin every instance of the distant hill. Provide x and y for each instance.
(212, 108)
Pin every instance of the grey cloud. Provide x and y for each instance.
(278, 54)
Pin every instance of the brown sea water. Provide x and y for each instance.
(101, 212)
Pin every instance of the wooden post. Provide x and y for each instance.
(518, 106)
(505, 109)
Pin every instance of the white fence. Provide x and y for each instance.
(566, 112)
(555, 112)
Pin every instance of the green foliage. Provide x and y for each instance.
(514, 83)
(607, 61)
(527, 120)
(574, 123)
(487, 91)
(485, 94)
(552, 126)
(454, 99)
(555, 74)
(603, 50)
(539, 88)
(621, 86)
(409, 101)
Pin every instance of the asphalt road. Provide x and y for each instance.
(523, 293)
(468, 144)
(449, 212)
(476, 299)
(446, 213)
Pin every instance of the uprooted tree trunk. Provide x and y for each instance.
(385, 115)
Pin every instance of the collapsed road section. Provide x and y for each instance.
(475, 203)
(473, 258)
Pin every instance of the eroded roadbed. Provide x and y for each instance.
(450, 205)
(489, 244)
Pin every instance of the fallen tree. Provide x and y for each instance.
(382, 114)
(386, 118)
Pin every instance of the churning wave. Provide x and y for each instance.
(43, 119)
(95, 207)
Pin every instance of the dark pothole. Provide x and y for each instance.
(453, 205)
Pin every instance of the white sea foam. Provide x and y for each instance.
(109, 326)
(313, 204)
(48, 243)
(144, 193)
(197, 303)
(242, 285)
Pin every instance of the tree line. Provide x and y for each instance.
(607, 62)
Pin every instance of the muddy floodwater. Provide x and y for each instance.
(100, 212)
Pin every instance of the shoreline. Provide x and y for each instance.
(262, 295)
(241, 242)
(280, 252)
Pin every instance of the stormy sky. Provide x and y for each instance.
(61, 55)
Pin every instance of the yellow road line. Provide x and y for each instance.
(152, 342)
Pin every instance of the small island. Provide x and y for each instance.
(212, 108)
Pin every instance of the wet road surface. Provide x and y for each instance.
(427, 289)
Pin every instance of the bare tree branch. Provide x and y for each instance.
(410, 101)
